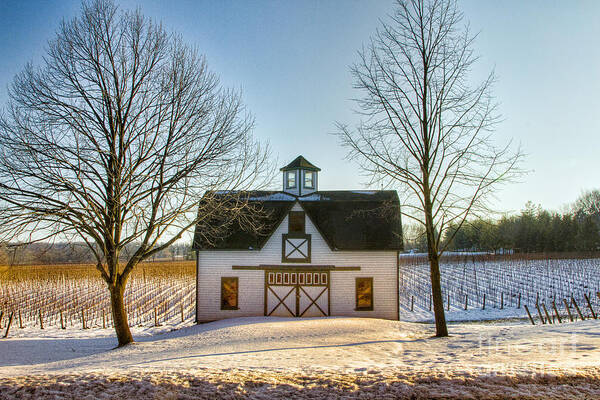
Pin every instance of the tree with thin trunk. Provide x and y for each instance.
(425, 127)
(588, 205)
(114, 140)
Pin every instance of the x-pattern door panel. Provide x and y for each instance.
(297, 293)
(312, 301)
(296, 248)
(281, 301)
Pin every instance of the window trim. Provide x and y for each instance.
(285, 236)
(313, 175)
(287, 180)
(237, 293)
(368, 308)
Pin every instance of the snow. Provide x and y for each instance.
(281, 357)
(367, 192)
(273, 197)
(313, 197)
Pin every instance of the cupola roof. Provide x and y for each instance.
(300, 163)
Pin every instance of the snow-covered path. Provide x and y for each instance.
(349, 347)
(344, 344)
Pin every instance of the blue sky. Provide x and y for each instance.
(291, 59)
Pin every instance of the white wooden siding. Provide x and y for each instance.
(380, 265)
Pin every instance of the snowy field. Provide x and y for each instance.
(479, 287)
(311, 358)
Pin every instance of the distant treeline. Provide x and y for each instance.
(73, 253)
(533, 230)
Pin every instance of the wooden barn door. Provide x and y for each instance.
(296, 293)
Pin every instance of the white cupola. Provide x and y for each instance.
(300, 177)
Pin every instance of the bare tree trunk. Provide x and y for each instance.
(119, 314)
(441, 328)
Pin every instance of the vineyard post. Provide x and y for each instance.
(577, 308)
(568, 310)
(537, 306)
(547, 314)
(529, 314)
(412, 303)
(155, 316)
(466, 301)
(9, 323)
(62, 321)
(483, 307)
(41, 320)
(587, 299)
(430, 302)
(103, 320)
(181, 308)
(448, 306)
(556, 312)
(502, 300)
(20, 321)
(519, 304)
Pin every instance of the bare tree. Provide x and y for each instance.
(588, 204)
(115, 139)
(425, 128)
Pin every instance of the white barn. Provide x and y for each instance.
(326, 253)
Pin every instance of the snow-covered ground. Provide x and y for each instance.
(277, 357)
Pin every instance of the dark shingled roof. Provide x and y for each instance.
(347, 220)
(300, 163)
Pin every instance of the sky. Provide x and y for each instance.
(291, 60)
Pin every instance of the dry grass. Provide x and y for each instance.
(242, 384)
(53, 271)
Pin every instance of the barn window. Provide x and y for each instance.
(229, 293)
(291, 180)
(324, 278)
(296, 222)
(364, 294)
(309, 180)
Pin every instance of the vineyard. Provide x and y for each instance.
(74, 296)
(487, 287)
(162, 293)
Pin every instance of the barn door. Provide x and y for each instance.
(313, 295)
(297, 293)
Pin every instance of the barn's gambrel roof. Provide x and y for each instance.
(347, 220)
